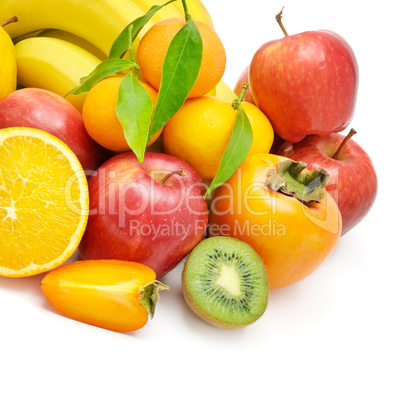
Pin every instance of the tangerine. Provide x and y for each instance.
(155, 43)
(100, 118)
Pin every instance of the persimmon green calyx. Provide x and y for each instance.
(307, 187)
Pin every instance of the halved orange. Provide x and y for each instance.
(44, 202)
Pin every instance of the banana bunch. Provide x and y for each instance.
(98, 22)
(67, 39)
(175, 10)
(54, 64)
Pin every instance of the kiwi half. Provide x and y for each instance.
(224, 282)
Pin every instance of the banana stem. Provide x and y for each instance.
(9, 21)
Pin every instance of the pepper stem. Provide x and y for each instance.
(149, 295)
(307, 187)
(9, 21)
(169, 175)
(278, 18)
(352, 132)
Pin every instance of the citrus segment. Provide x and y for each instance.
(43, 202)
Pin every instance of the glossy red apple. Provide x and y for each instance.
(305, 83)
(151, 212)
(243, 78)
(353, 180)
(50, 112)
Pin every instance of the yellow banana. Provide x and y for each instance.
(76, 40)
(164, 13)
(53, 64)
(222, 91)
(175, 10)
(8, 65)
(97, 21)
(26, 36)
(197, 10)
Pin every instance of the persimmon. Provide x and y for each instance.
(283, 211)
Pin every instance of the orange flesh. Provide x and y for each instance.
(43, 202)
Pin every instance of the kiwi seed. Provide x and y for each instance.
(224, 282)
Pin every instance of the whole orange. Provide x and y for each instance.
(155, 43)
(200, 131)
(100, 118)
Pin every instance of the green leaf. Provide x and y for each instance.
(134, 109)
(103, 70)
(120, 45)
(236, 151)
(179, 72)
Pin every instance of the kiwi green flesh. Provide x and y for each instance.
(225, 282)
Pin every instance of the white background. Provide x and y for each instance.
(335, 336)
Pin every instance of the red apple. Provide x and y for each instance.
(353, 180)
(243, 78)
(305, 83)
(151, 212)
(50, 112)
(278, 141)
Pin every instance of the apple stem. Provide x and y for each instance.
(278, 18)
(236, 103)
(352, 132)
(9, 21)
(169, 175)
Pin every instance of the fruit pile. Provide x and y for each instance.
(123, 143)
